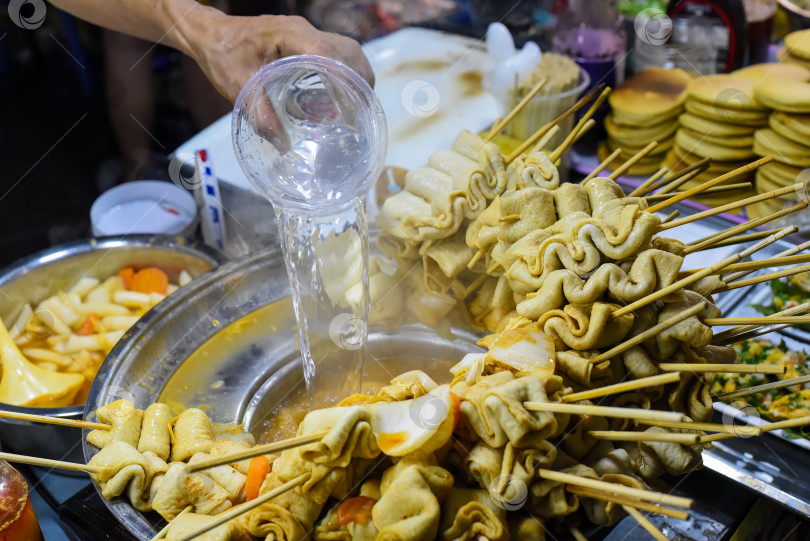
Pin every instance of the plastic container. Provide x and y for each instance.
(311, 136)
(17, 519)
(144, 206)
(690, 47)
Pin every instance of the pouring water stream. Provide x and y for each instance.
(310, 135)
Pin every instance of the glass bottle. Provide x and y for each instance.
(17, 519)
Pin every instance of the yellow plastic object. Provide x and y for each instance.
(25, 384)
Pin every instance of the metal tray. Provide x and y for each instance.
(196, 351)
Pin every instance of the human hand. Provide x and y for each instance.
(231, 49)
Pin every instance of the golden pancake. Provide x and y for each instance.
(710, 127)
(785, 175)
(708, 150)
(784, 95)
(640, 133)
(786, 132)
(798, 43)
(784, 56)
(653, 93)
(725, 91)
(629, 150)
(778, 70)
(734, 141)
(769, 143)
(730, 116)
(798, 123)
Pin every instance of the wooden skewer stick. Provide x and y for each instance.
(798, 309)
(501, 124)
(714, 269)
(739, 239)
(763, 320)
(615, 488)
(576, 534)
(616, 498)
(731, 231)
(790, 251)
(584, 129)
(543, 141)
(569, 140)
(708, 242)
(758, 265)
(674, 214)
(781, 231)
(763, 278)
(619, 171)
(475, 285)
(605, 411)
(621, 435)
(716, 189)
(641, 383)
(724, 368)
(493, 131)
(162, 533)
(48, 463)
(646, 186)
(604, 163)
(753, 334)
(733, 206)
(475, 258)
(705, 427)
(52, 420)
(685, 176)
(545, 128)
(701, 164)
(583, 125)
(227, 516)
(652, 331)
(764, 387)
(657, 534)
(778, 425)
(281, 445)
(744, 170)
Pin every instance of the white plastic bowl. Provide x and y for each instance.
(144, 206)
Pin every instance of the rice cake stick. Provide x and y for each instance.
(52, 420)
(281, 445)
(764, 387)
(704, 427)
(758, 265)
(674, 214)
(763, 320)
(728, 333)
(739, 239)
(645, 523)
(790, 251)
(501, 124)
(763, 278)
(48, 463)
(630, 435)
(716, 189)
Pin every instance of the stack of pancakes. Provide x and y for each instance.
(787, 137)
(797, 49)
(645, 108)
(721, 117)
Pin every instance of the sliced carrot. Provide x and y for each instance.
(456, 409)
(88, 325)
(150, 280)
(126, 275)
(257, 472)
(357, 509)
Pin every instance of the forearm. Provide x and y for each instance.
(176, 23)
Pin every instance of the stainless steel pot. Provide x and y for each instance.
(227, 342)
(34, 278)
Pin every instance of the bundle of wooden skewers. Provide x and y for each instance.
(586, 302)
